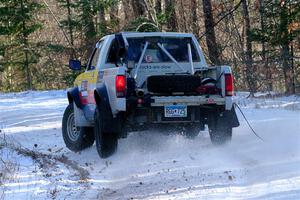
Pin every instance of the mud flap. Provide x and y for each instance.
(230, 117)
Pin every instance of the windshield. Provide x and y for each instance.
(177, 47)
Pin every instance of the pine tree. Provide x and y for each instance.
(279, 17)
(16, 25)
(86, 18)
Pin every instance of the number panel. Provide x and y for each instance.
(175, 111)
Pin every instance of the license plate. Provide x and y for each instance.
(176, 111)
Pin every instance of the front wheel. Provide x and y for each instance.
(106, 142)
(75, 138)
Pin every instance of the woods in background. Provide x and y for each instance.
(259, 39)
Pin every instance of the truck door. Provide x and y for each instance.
(89, 78)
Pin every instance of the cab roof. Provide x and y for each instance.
(154, 34)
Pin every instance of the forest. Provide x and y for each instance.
(259, 39)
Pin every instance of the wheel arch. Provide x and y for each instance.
(101, 97)
(111, 124)
(73, 96)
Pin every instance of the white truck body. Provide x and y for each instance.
(146, 70)
(134, 81)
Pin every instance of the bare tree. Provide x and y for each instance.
(248, 51)
(157, 4)
(265, 59)
(138, 7)
(102, 20)
(168, 7)
(195, 23)
(285, 49)
(212, 46)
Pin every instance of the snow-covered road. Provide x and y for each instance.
(151, 165)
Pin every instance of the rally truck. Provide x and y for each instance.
(136, 81)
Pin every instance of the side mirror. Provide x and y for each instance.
(75, 65)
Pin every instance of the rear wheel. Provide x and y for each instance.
(75, 138)
(192, 131)
(220, 132)
(106, 142)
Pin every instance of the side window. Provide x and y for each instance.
(111, 57)
(95, 56)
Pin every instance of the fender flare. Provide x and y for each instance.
(111, 124)
(73, 96)
(101, 98)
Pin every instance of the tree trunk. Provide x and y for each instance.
(293, 68)
(286, 69)
(195, 25)
(285, 50)
(102, 21)
(264, 57)
(168, 7)
(88, 27)
(70, 22)
(138, 8)
(114, 21)
(157, 6)
(248, 51)
(70, 27)
(212, 46)
(25, 49)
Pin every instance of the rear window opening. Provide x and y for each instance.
(177, 47)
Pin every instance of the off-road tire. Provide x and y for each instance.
(75, 138)
(192, 131)
(106, 142)
(220, 131)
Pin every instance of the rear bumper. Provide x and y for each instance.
(156, 115)
(200, 115)
(152, 110)
(187, 100)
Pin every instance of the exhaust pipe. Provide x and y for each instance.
(139, 92)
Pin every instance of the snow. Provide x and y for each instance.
(150, 164)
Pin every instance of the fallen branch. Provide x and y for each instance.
(43, 159)
(46, 160)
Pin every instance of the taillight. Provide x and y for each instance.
(229, 85)
(121, 85)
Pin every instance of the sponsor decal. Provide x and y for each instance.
(210, 100)
(84, 93)
(106, 73)
(149, 67)
(100, 76)
(84, 85)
